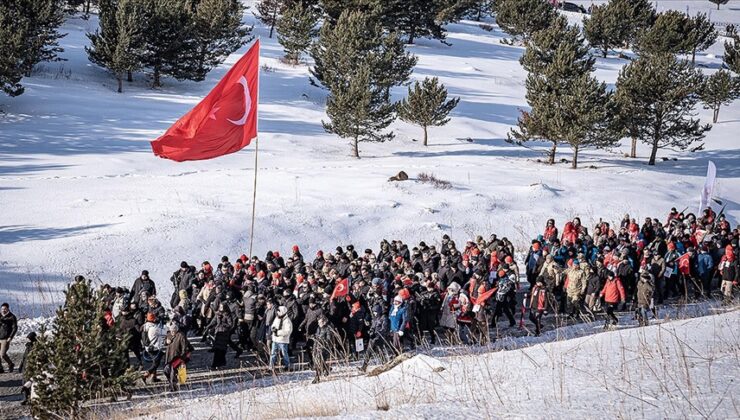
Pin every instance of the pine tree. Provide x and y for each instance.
(522, 18)
(296, 29)
(555, 58)
(732, 51)
(719, 89)
(168, 39)
(217, 31)
(670, 34)
(357, 42)
(587, 117)
(42, 36)
(426, 105)
(13, 27)
(617, 23)
(359, 111)
(268, 12)
(718, 2)
(661, 93)
(79, 358)
(117, 44)
(702, 34)
(414, 18)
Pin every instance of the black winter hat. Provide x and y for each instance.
(145, 273)
(184, 264)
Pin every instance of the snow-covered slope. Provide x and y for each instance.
(81, 191)
(681, 369)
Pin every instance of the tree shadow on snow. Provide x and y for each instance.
(17, 233)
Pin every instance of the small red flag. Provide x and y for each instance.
(224, 122)
(341, 289)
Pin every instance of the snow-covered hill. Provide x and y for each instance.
(681, 369)
(81, 191)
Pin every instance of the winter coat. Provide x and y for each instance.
(182, 280)
(613, 291)
(577, 282)
(311, 322)
(8, 326)
(398, 318)
(379, 327)
(153, 336)
(139, 286)
(704, 264)
(249, 301)
(357, 321)
(539, 299)
(645, 289)
(450, 307)
(178, 347)
(534, 262)
(282, 328)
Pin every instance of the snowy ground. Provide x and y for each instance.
(81, 191)
(680, 369)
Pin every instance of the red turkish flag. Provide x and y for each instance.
(341, 289)
(224, 122)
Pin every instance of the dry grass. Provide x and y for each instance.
(434, 181)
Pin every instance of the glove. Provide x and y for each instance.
(400, 333)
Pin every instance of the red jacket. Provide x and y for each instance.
(613, 291)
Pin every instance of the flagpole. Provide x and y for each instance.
(256, 153)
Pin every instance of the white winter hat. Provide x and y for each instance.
(282, 311)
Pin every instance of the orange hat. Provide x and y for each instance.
(508, 259)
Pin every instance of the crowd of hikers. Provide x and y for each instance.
(368, 304)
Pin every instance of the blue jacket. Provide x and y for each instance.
(398, 318)
(704, 264)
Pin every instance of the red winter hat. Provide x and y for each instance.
(244, 258)
(295, 248)
(671, 246)
(276, 254)
(404, 294)
(276, 276)
(508, 259)
(320, 253)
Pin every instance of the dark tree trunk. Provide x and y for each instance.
(356, 148)
(412, 35)
(129, 76)
(716, 115)
(574, 165)
(551, 155)
(633, 150)
(654, 152)
(157, 82)
(425, 135)
(119, 79)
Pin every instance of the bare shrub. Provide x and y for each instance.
(434, 181)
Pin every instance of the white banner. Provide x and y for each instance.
(706, 192)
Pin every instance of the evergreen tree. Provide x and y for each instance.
(168, 39)
(719, 89)
(42, 37)
(359, 110)
(217, 31)
(661, 93)
(523, 18)
(718, 2)
(702, 34)
(268, 12)
(117, 44)
(670, 34)
(414, 18)
(587, 117)
(732, 51)
(80, 358)
(426, 105)
(617, 23)
(13, 27)
(357, 42)
(296, 29)
(556, 58)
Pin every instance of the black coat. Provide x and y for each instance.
(8, 326)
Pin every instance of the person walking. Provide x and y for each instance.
(8, 329)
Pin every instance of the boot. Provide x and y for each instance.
(26, 395)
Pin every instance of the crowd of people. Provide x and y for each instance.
(367, 304)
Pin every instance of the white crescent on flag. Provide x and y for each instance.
(247, 103)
